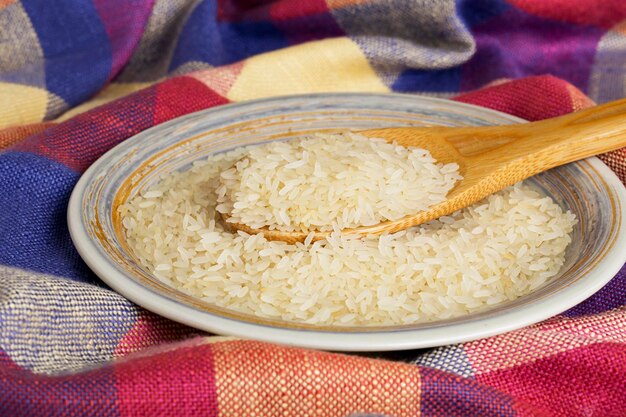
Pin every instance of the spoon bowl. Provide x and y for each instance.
(490, 159)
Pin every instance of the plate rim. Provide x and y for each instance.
(397, 339)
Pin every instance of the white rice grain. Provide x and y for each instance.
(313, 183)
(466, 262)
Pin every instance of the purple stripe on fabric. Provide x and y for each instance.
(517, 44)
(451, 395)
(303, 22)
(124, 22)
(613, 295)
(23, 393)
(309, 28)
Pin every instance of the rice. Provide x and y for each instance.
(502, 248)
(343, 180)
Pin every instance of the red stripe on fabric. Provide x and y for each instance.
(179, 382)
(150, 330)
(6, 361)
(242, 10)
(181, 96)
(288, 9)
(605, 13)
(616, 160)
(531, 98)
(123, 29)
(580, 382)
(79, 141)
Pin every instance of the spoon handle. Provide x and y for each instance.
(539, 146)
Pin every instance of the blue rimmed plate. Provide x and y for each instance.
(587, 188)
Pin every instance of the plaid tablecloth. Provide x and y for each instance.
(79, 76)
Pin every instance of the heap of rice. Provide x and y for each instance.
(345, 180)
(500, 249)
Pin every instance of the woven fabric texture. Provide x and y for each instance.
(78, 77)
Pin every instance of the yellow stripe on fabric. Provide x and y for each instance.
(110, 93)
(15, 134)
(261, 379)
(21, 104)
(323, 66)
(337, 4)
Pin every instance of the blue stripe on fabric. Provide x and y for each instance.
(75, 45)
(448, 80)
(475, 12)
(206, 39)
(33, 225)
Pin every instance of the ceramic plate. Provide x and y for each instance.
(587, 188)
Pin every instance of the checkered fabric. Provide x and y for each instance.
(79, 76)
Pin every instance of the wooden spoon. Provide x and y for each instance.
(492, 158)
